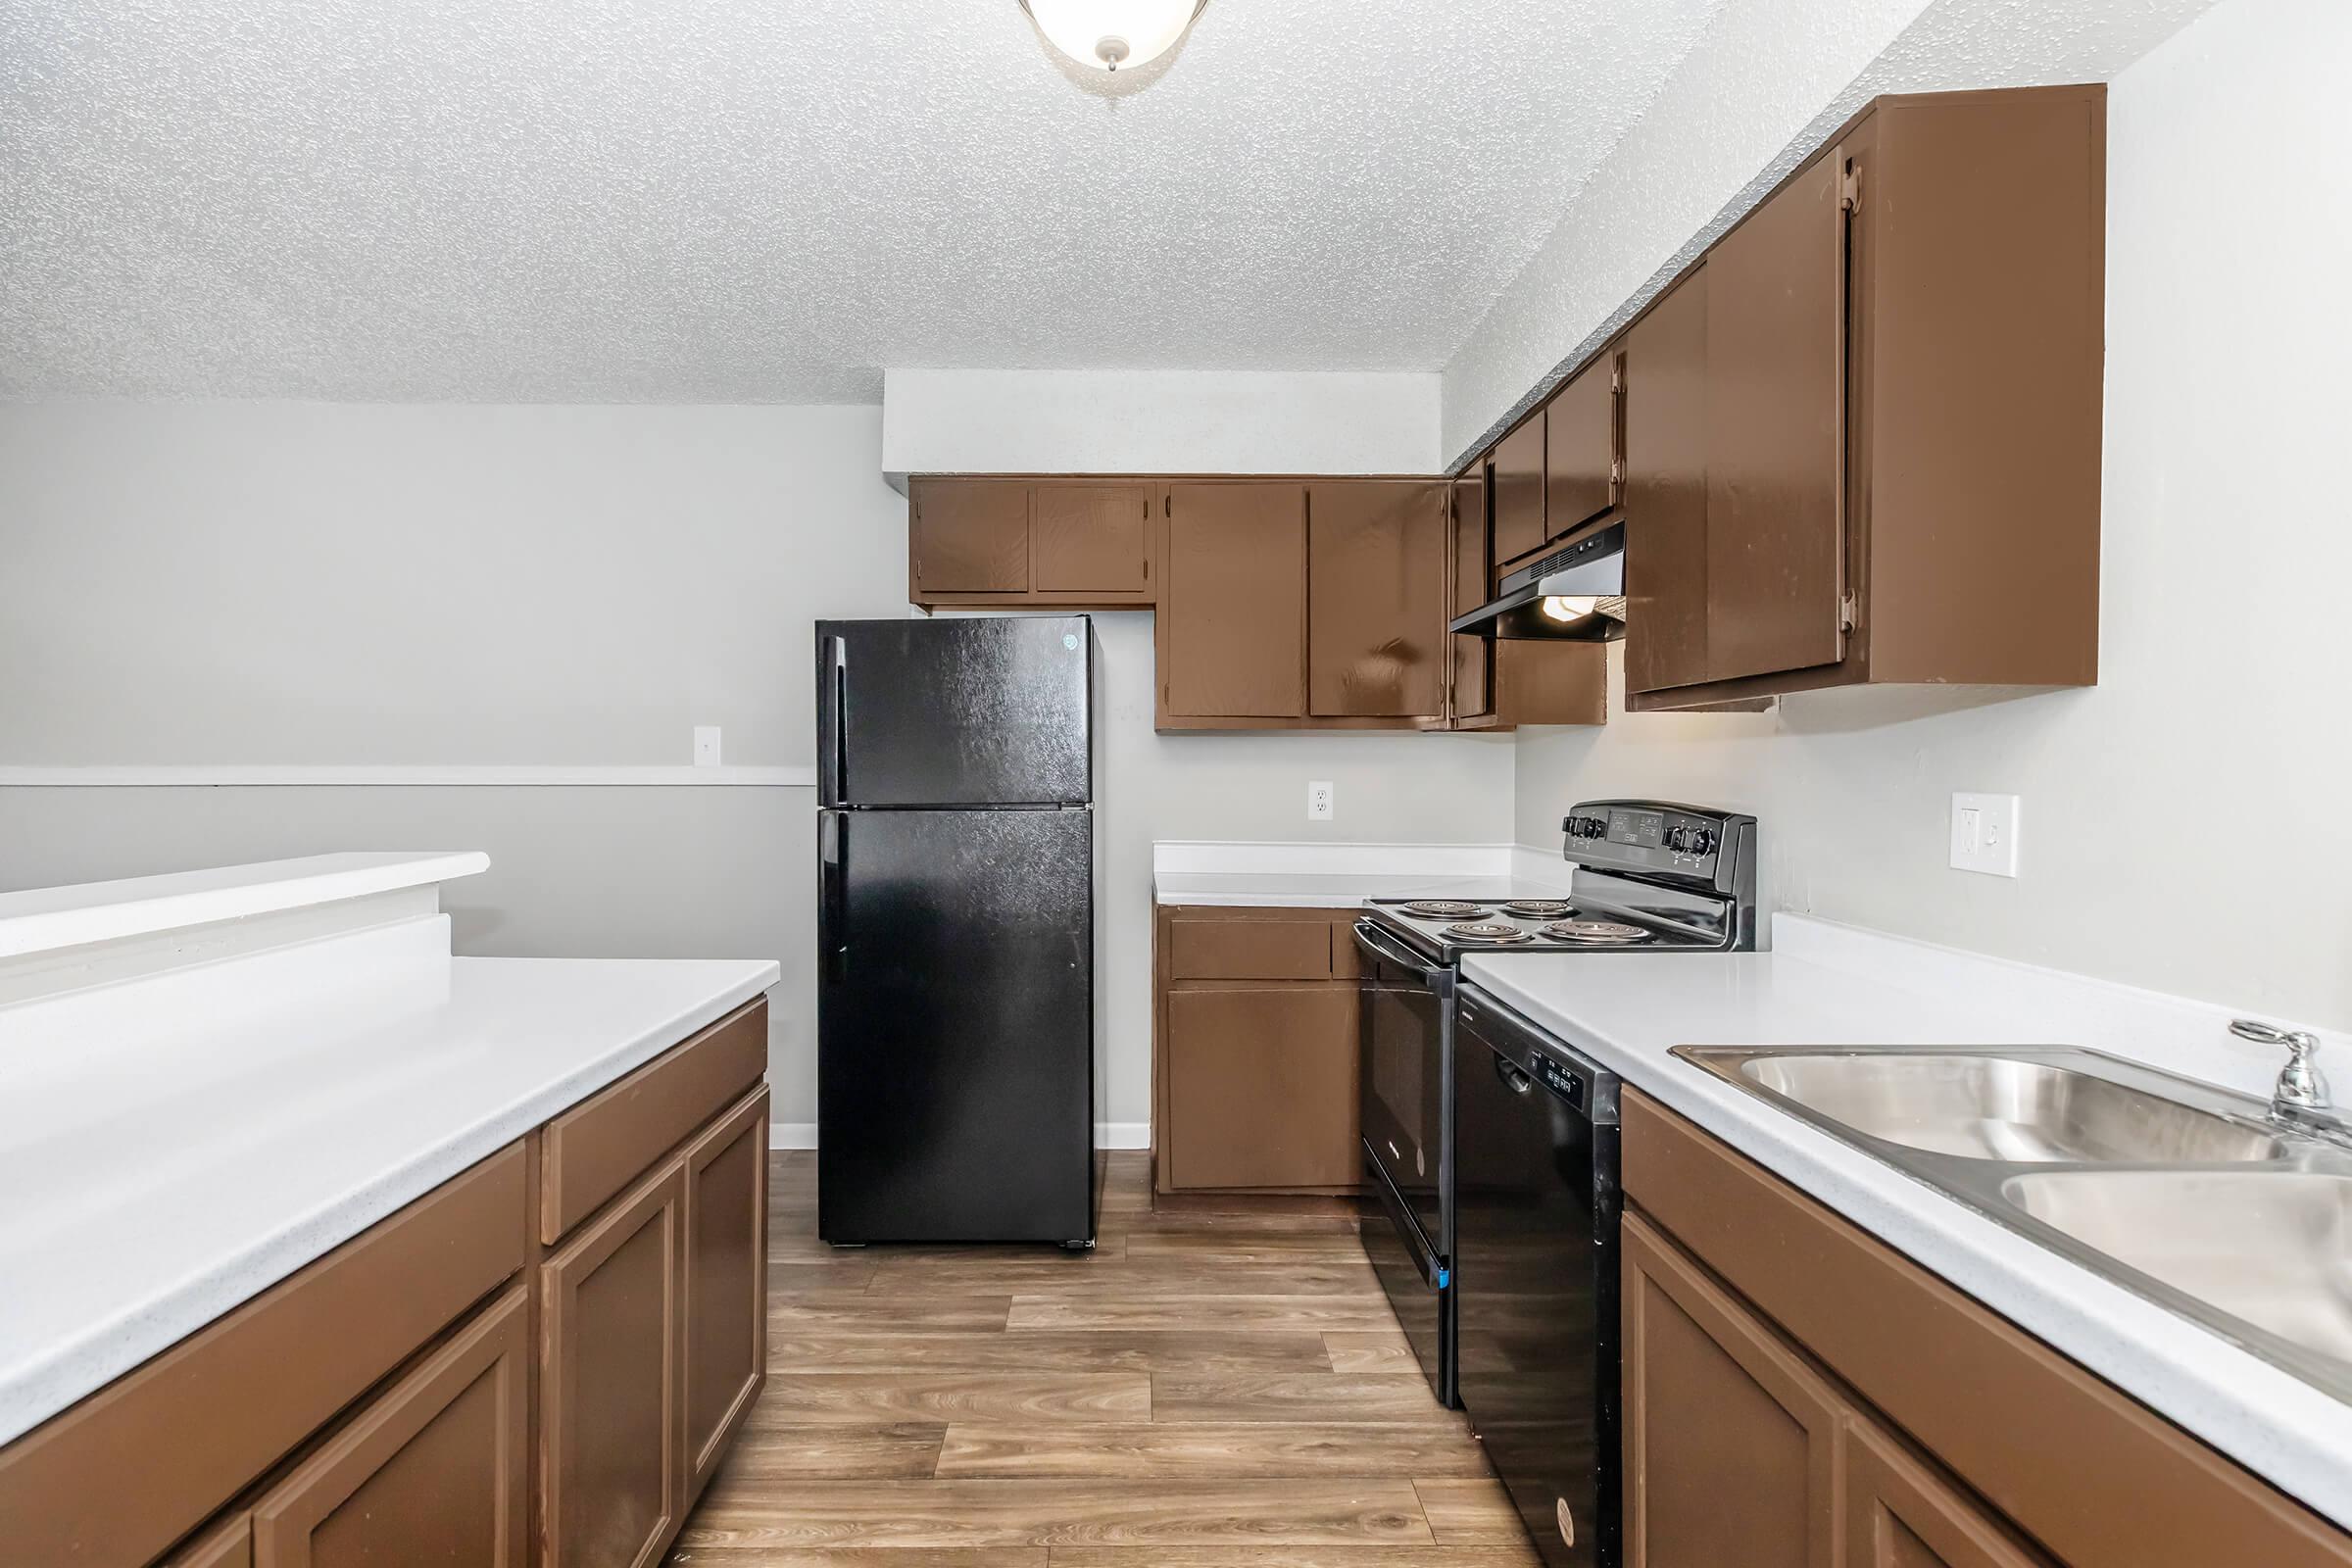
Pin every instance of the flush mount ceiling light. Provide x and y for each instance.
(1114, 35)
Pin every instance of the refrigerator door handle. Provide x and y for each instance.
(839, 760)
(833, 873)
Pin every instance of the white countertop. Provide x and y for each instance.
(1341, 876)
(1825, 986)
(43, 919)
(172, 1146)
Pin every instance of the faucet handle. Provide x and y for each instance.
(2300, 1085)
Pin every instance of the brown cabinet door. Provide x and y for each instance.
(1732, 1442)
(1776, 433)
(972, 536)
(726, 1282)
(1666, 491)
(1473, 675)
(433, 1470)
(1519, 491)
(1232, 609)
(1376, 598)
(1582, 469)
(1090, 538)
(611, 1412)
(1261, 1086)
(1899, 1513)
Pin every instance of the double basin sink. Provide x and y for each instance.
(2187, 1194)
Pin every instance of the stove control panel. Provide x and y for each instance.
(1644, 838)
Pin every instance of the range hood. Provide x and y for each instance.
(1575, 594)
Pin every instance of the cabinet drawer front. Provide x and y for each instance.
(1250, 950)
(598, 1148)
(207, 1416)
(1262, 1088)
(434, 1470)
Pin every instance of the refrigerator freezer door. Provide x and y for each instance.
(955, 1027)
(954, 713)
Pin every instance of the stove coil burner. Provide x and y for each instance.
(1537, 909)
(1442, 909)
(1595, 933)
(1488, 931)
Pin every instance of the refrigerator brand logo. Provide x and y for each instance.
(1070, 640)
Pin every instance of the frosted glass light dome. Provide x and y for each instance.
(1113, 34)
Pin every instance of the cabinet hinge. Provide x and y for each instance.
(1616, 470)
(1846, 612)
(1849, 190)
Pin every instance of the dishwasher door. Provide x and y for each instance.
(1535, 1265)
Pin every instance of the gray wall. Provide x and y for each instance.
(236, 585)
(2182, 825)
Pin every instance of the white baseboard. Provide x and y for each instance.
(1108, 1135)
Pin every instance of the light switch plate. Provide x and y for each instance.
(706, 746)
(1318, 800)
(1984, 831)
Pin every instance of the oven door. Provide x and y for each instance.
(1404, 1022)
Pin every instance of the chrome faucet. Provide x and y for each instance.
(2301, 1091)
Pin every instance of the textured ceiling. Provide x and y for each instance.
(769, 200)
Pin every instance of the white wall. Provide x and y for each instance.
(1765, 86)
(1158, 422)
(370, 587)
(2183, 820)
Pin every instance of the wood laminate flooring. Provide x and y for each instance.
(1210, 1388)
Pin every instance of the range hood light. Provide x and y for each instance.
(1114, 35)
(1568, 607)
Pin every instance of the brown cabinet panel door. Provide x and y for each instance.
(1092, 538)
(1519, 491)
(1666, 491)
(1251, 950)
(610, 1406)
(1538, 682)
(434, 1470)
(1732, 1442)
(726, 1282)
(1473, 675)
(1261, 1086)
(1899, 1513)
(972, 536)
(1581, 469)
(1376, 598)
(1775, 442)
(1234, 605)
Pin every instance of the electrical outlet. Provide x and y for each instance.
(1318, 800)
(1985, 829)
(706, 746)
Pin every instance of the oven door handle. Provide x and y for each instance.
(1385, 948)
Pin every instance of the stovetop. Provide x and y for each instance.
(1546, 925)
(1649, 877)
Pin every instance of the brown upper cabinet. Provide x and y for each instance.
(1888, 468)
(1065, 543)
(1516, 476)
(1376, 598)
(1584, 467)
(1473, 660)
(1501, 685)
(1304, 605)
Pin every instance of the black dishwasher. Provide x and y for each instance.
(1537, 1208)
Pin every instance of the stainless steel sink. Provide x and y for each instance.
(2026, 1112)
(2272, 1248)
(2191, 1195)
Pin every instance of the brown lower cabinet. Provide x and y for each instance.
(447, 1386)
(1799, 1396)
(433, 1470)
(1254, 1070)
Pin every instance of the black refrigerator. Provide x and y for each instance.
(958, 868)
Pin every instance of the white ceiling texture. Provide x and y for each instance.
(768, 200)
